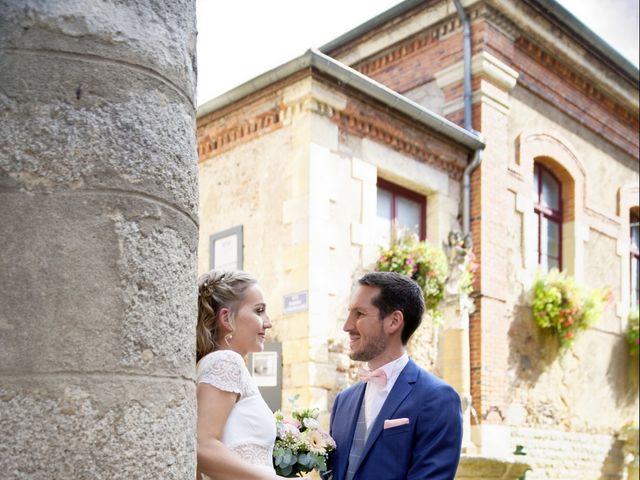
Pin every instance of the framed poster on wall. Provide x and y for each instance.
(226, 249)
(264, 368)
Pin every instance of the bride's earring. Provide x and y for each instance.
(227, 338)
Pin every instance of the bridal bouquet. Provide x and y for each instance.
(301, 446)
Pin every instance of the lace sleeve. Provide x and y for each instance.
(224, 370)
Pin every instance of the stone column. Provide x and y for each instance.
(455, 357)
(98, 202)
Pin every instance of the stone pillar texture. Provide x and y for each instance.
(98, 235)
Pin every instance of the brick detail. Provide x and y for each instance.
(218, 141)
(380, 131)
(475, 320)
(415, 44)
(414, 62)
(552, 80)
(361, 118)
(418, 66)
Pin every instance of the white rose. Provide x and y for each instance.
(311, 423)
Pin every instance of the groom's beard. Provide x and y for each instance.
(374, 347)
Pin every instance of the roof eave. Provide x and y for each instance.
(369, 25)
(589, 38)
(551, 7)
(354, 79)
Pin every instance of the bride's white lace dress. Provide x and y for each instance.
(250, 431)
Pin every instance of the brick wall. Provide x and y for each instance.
(415, 61)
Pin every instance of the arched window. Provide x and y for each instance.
(548, 210)
(634, 224)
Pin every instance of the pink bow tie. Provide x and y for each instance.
(376, 376)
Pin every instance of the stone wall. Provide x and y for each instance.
(98, 207)
(596, 375)
(558, 454)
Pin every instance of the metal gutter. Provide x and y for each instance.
(255, 84)
(354, 79)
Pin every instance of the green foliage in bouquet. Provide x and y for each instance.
(564, 308)
(426, 264)
(301, 445)
(633, 332)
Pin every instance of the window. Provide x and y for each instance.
(548, 210)
(635, 257)
(399, 208)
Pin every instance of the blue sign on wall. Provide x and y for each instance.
(296, 302)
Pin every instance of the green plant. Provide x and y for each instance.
(563, 307)
(633, 332)
(520, 452)
(426, 264)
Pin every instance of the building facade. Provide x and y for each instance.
(310, 163)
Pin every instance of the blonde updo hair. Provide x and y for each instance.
(217, 290)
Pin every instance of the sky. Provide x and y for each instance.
(240, 39)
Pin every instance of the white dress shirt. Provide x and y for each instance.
(375, 395)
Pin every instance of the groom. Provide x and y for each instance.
(399, 422)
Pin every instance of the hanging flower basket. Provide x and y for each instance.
(564, 308)
(427, 265)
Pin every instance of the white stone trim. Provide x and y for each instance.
(361, 170)
(484, 64)
(405, 171)
(627, 199)
(357, 231)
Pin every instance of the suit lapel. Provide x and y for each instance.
(347, 427)
(400, 390)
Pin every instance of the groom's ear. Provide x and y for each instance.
(394, 323)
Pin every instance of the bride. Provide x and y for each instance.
(236, 429)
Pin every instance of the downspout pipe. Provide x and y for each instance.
(466, 48)
(468, 120)
(466, 194)
(476, 158)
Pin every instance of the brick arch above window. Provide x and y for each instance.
(556, 154)
(627, 199)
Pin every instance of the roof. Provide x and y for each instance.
(550, 8)
(347, 76)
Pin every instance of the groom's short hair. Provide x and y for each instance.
(397, 292)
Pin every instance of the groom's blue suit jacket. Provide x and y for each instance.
(428, 448)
